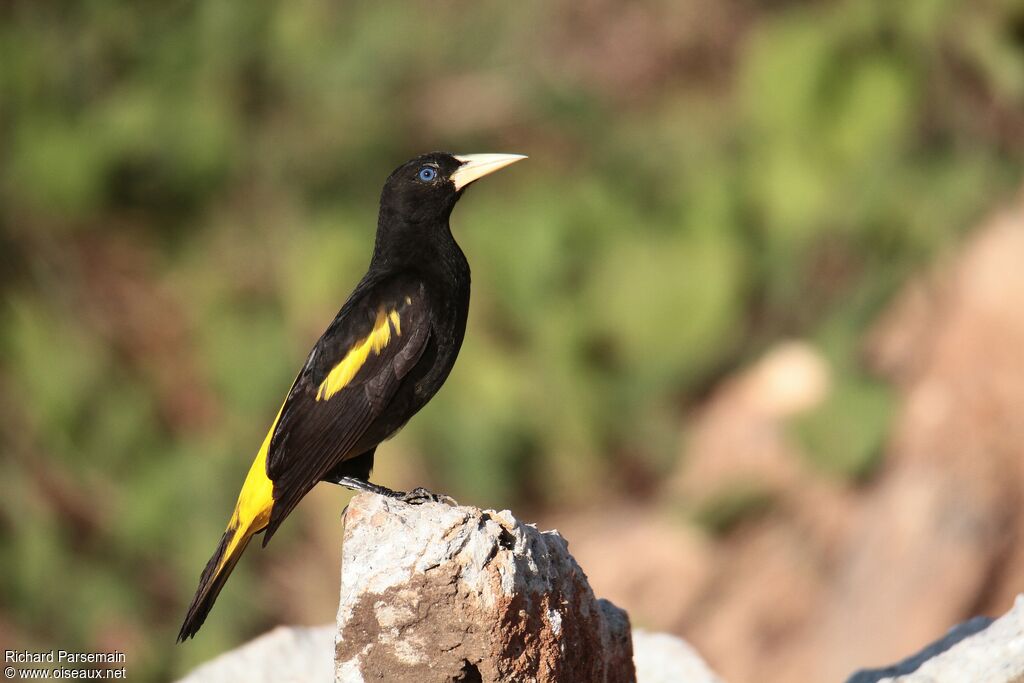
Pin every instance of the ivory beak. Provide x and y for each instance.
(476, 166)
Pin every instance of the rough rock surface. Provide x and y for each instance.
(434, 592)
(979, 650)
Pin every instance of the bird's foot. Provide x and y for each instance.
(420, 495)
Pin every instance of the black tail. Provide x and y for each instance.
(212, 580)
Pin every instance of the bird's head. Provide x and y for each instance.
(426, 188)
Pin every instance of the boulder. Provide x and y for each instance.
(434, 592)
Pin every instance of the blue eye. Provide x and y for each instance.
(427, 174)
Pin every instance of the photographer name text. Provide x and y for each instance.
(62, 657)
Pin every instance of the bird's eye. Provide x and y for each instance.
(427, 174)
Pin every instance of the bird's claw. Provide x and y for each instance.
(420, 495)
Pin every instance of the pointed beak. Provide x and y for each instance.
(476, 166)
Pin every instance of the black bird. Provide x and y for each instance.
(387, 352)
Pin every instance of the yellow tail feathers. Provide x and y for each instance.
(252, 513)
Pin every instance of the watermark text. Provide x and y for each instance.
(63, 665)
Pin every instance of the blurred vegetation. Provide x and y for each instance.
(188, 192)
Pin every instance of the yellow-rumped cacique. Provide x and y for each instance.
(386, 353)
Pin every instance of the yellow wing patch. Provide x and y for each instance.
(256, 499)
(342, 373)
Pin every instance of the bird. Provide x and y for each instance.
(383, 357)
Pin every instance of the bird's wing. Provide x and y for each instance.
(350, 377)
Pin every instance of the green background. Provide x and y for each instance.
(188, 192)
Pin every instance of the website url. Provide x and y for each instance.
(63, 674)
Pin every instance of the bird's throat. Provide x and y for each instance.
(429, 246)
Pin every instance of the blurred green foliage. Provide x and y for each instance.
(188, 191)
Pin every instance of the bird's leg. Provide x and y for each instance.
(357, 484)
(415, 497)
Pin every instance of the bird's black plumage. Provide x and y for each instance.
(386, 353)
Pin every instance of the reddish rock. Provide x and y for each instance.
(439, 593)
(936, 537)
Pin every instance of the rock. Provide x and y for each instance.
(954, 474)
(974, 651)
(913, 662)
(301, 654)
(761, 578)
(739, 441)
(434, 592)
(439, 593)
(288, 654)
(661, 658)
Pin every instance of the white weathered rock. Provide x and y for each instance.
(288, 654)
(434, 592)
(994, 655)
(662, 658)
